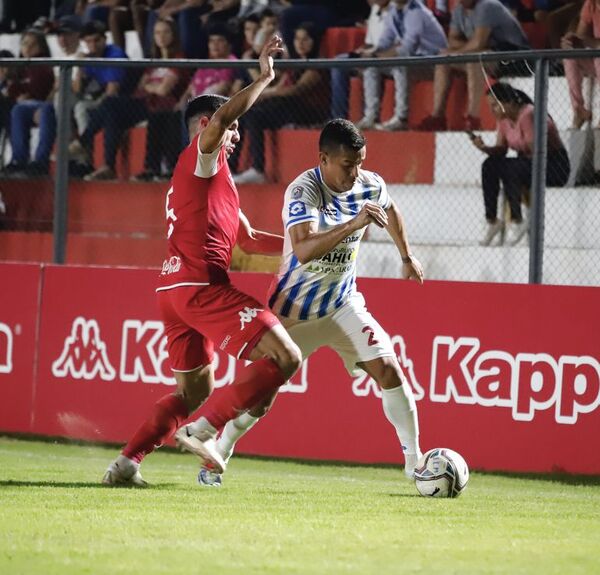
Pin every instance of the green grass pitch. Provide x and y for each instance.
(282, 517)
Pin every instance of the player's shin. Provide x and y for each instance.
(167, 415)
(255, 383)
(400, 409)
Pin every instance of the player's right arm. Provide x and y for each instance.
(213, 135)
(309, 243)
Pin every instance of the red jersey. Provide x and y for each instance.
(202, 212)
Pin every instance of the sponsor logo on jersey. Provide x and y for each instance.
(84, 353)
(247, 315)
(171, 266)
(6, 349)
(297, 192)
(328, 211)
(297, 209)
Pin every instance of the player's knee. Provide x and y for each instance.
(390, 377)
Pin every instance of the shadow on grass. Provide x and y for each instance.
(77, 485)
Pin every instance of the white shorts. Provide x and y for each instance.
(352, 332)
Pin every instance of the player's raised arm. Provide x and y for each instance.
(214, 134)
(411, 267)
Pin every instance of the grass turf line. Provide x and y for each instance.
(281, 517)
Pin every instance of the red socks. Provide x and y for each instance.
(254, 383)
(168, 414)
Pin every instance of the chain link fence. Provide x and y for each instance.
(88, 171)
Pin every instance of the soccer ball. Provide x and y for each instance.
(441, 472)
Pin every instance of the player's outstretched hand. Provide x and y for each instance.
(272, 47)
(413, 270)
(371, 212)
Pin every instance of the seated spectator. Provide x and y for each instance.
(513, 110)
(340, 77)
(186, 13)
(321, 12)
(158, 92)
(476, 26)
(93, 83)
(587, 35)
(214, 80)
(410, 29)
(32, 90)
(299, 97)
(6, 102)
(127, 15)
(155, 100)
(558, 16)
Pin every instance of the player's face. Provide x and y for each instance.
(232, 137)
(340, 169)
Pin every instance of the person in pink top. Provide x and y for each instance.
(587, 35)
(214, 80)
(513, 110)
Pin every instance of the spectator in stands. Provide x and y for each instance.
(513, 110)
(98, 88)
(32, 90)
(127, 15)
(476, 26)
(93, 84)
(68, 29)
(340, 77)
(587, 35)
(256, 7)
(410, 29)
(17, 15)
(214, 80)
(159, 91)
(300, 97)
(6, 101)
(558, 17)
(186, 13)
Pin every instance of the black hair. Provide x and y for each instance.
(341, 133)
(506, 94)
(40, 38)
(267, 13)
(252, 18)
(219, 29)
(207, 104)
(92, 28)
(6, 54)
(311, 29)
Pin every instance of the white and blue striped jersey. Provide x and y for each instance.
(320, 287)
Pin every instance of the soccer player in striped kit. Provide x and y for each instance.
(326, 211)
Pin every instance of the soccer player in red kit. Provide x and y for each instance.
(198, 304)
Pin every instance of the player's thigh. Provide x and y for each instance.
(233, 320)
(310, 335)
(360, 337)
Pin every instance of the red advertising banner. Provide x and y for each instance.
(508, 375)
(19, 305)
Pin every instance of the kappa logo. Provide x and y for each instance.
(247, 315)
(84, 353)
(6, 349)
(297, 209)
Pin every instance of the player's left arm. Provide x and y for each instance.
(411, 266)
(257, 242)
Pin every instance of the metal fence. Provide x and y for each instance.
(434, 172)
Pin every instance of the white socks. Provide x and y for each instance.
(232, 432)
(400, 409)
(201, 428)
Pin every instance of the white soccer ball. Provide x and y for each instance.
(441, 472)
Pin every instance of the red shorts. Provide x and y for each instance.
(197, 318)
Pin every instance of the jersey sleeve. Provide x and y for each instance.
(384, 199)
(207, 165)
(301, 204)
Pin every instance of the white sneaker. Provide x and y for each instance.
(493, 230)
(366, 123)
(250, 176)
(208, 478)
(203, 447)
(124, 476)
(393, 125)
(515, 231)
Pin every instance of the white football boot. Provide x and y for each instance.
(124, 473)
(204, 447)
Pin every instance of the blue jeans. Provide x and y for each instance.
(340, 89)
(21, 123)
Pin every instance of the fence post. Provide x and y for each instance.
(538, 180)
(61, 184)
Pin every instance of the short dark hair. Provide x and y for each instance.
(92, 28)
(207, 104)
(506, 94)
(341, 133)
